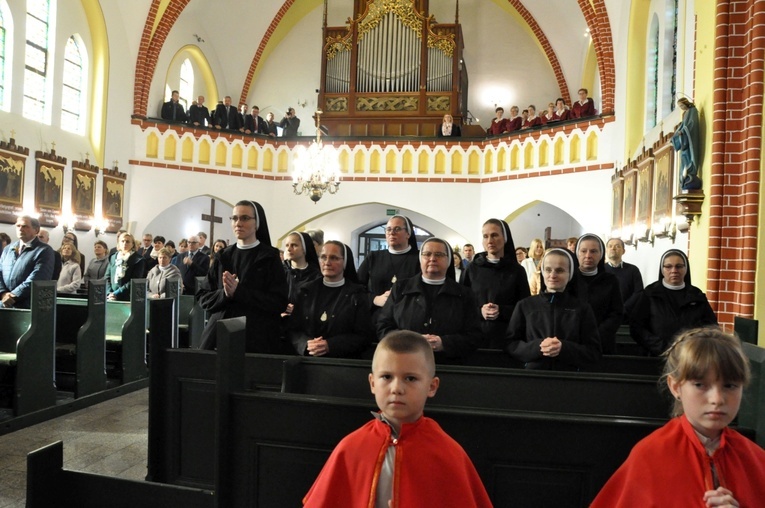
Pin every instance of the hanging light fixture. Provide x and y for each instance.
(317, 169)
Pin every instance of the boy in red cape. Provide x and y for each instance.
(400, 458)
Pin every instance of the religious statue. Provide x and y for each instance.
(685, 140)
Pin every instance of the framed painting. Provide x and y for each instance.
(617, 207)
(630, 193)
(49, 187)
(663, 183)
(84, 177)
(112, 199)
(645, 191)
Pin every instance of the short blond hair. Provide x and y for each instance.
(407, 341)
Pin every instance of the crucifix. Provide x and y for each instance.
(212, 219)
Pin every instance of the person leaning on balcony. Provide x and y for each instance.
(499, 125)
(448, 128)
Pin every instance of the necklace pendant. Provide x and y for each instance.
(323, 316)
(393, 280)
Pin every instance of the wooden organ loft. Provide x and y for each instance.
(393, 70)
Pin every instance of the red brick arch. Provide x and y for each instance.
(596, 16)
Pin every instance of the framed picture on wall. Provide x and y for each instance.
(664, 180)
(618, 203)
(630, 194)
(645, 191)
(49, 187)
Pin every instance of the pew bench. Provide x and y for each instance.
(49, 484)
(80, 344)
(126, 335)
(27, 338)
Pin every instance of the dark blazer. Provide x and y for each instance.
(171, 107)
(18, 271)
(121, 288)
(602, 292)
(231, 120)
(200, 264)
(199, 114)
(456, 131)
(453, 316)
(256, 125)
(348, 328)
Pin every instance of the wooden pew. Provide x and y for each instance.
(270, 447)
(80, 345)
(27, 342)
(614, 364)
(126, 334)
(752, 412)
(618, 395)
(48, 484)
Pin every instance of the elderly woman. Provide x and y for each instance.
(497, 280)
(331, 315)
(435, 305)
(553, 330)
(70, 278)
(448, 128)
(669, 306)
(162, 273)
(124, 265)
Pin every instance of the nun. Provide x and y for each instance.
(381, 269)
(331, 316)
(434, 304)
(247, 280)
(669, 306)
(301, 264)
(554, 330)
(498, 282)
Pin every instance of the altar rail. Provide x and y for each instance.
(565, 148)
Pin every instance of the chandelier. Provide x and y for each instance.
(317, 169)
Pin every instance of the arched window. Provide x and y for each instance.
(669, 79)
(37, 60)
(186, 87)
(72, 91)
(6, 51)
(652, 76)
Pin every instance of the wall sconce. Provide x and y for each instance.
(665, 229)
(67, 222)
(99, 226)
(647, 235)
(302, 102)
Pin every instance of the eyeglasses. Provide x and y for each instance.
(243, 218)
(437, 255)
(192, 242)
(395, 230)
(334, 259)
(676, 267)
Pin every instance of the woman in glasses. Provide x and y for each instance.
(435, 305)
(669, 305)
(331, 314)
(382, 268)
(247, 279)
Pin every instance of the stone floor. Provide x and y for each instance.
(108, 438)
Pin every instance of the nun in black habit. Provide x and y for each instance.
(247, 280)
(669, 306)
(498, 282)
(331, 315)
(382, 268)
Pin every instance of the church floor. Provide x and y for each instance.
(109, 438)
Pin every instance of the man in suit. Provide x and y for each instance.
(254, 124)
(145, 250)
(172, 110)
(22, 262)
(199, 115)
(194, 264)
(226, 116)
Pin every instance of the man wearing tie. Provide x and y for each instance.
(195, 264)
(227, 116)
(254, 124)
(173, 110)
(23, 262)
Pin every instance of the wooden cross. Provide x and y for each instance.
(13, 133)
(212, 219)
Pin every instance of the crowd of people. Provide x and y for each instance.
(323, 306)
(225, 116)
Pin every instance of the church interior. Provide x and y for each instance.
(84, 145)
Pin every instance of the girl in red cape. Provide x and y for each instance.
(695, 459)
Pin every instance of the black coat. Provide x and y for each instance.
(380, 267)
(347, 326)
(231, 120)
(603, 294)
(558, 315)
(170, 107)
(656, 319)
(453, 316)
(135, 270)
(200, 264)
(261, 296)
(504, 283)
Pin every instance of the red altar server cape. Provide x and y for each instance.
(671, 468)
(431, 469)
